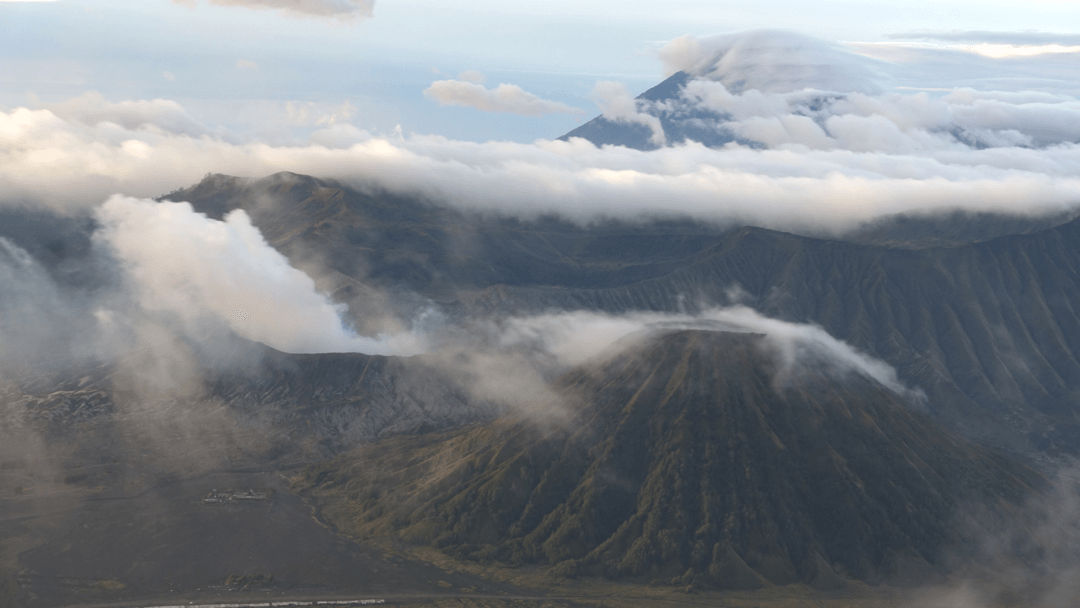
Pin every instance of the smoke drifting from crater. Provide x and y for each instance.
(576, 337)
(197, 270)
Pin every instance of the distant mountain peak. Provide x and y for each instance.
(768, 61)
(678, 124)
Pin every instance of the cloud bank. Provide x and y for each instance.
(867, 168)
(799, 159)
(507, 98)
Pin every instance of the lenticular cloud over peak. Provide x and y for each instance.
(773, 61)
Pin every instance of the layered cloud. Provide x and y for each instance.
(993, 37)
(998, 45)
(872, 169)
(508, 98)
(315, 8)
(936, 64)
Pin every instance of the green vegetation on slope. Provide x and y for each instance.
(986, 327)
(688, 464)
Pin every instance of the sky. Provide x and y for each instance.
(264, 68)
(832, 117)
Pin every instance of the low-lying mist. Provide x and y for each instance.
(1031, 558)
(188, 297)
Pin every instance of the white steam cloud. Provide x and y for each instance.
(573, 338)
(507, 98)
(198, 270)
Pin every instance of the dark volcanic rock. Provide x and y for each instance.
(326, 402)
(985, 326)
(688, 462)
(681, 122)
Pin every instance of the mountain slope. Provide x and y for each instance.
(989, 331)
(293, 405)
(985, 327)
(388, 238)
(680, 122)
(688, 462)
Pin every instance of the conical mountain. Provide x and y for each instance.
(767, 61)
(678, 121)
(695, 458)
